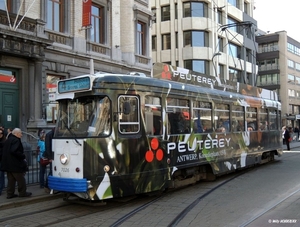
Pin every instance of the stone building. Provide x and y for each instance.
(43, 41)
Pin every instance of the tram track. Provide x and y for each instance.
(79, 210)
(177, 217)
(268, 209)
(117, 213)
(26, 214)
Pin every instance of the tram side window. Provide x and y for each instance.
(152, 115)
(129, 121)
(222, 118)
(251, 118)
(273, 119)
(178, 115)
(263, 120)
(202, 117)
(238, 119)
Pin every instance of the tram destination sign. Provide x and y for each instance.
(76, 84)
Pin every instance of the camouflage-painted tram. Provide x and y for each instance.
(119, 135)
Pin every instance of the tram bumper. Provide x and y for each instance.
(71, 185)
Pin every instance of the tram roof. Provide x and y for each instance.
(164, 76)
(168, 77)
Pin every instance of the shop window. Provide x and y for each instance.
(51, 105)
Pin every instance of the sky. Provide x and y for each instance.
(275, 15)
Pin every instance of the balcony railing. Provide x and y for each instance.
(267, 49)
(268, 67)
(267, 83)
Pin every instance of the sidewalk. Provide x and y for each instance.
(39, 194)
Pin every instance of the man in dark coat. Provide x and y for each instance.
(287, 137)
(14, 163)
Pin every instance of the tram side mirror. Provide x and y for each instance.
(126, 108)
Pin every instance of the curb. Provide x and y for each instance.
(29, 200)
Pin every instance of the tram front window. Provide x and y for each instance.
(84, 117)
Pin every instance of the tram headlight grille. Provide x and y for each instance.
(64, 159)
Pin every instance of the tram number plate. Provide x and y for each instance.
(65, 170)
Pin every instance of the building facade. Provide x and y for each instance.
(43, 41)
(278, 60)
(215, 37)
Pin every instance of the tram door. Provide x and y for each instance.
(9, 103)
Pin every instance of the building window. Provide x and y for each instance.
(235, 75)
(8, 5)
(249, 55)
(291, 64)
(195, 39)
(220, 72)
(166, 42)
(220, 45)
(165, 13)
(195, 9)
(246, 6)
(290, 47)
(98, 31)
(141, 38)
(52, 106)
(55, 15)
(233, 2)
(220, 18)
(234, 50)
(176, 11)
(291, 93)
(294, 49)
(297, 66)
(291, 78)
(154, 42)
(268, 79)
(233, 24)
(199, 66)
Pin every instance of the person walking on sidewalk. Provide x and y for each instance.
(14, 164)
(296, 130)
(2, 179)
(41, 145)
(49, 154)
(287, 137)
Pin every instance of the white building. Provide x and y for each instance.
(209, 36)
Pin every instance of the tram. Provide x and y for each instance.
(121, 135)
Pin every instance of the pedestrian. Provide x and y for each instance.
(296, 130)
(287, 138)
(41, 145)
(14, 164)
(49, 154)
(8, 132)
(2, 179)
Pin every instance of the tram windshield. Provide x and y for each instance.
(84, 117)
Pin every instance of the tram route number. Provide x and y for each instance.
(65, 170)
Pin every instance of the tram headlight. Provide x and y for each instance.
(64, 159)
